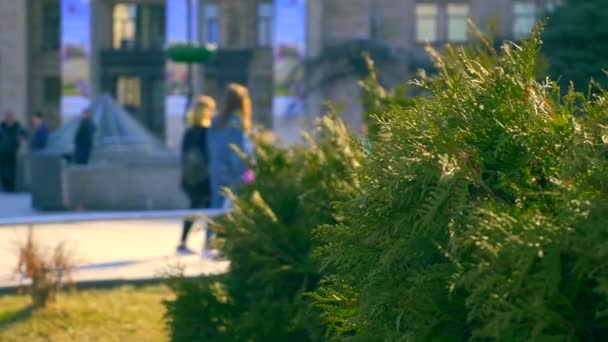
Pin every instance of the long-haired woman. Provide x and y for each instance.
(230, 127)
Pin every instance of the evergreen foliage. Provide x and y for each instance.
(574, 41)
(480, 213)
(268, 240)
(376, 99)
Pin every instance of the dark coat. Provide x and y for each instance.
(196, 138)
(39, 138)
(85, 134)
(10, 137)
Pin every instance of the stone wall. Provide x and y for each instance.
(58, 186)
(346, 19)
(154, 187)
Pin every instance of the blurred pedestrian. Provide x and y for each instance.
(11, 135)
(195, 162)
(229, 128)
(83, 140)
(40, 136)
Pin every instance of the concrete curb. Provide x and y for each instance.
(95, 285)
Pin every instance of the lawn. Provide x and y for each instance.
(121, 314)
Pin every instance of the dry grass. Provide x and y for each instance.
(122, 314)
(46, 270)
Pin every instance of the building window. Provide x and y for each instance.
(52, 90)
(524, 18)
(51, 32)
(157, 26)
(426, 23)
(265, 14)
(457, 22)
(125, 26)
(128, 92)
(211, 24)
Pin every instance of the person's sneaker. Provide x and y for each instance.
(183, 250)
(211, 254)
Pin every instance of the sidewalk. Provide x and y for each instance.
(15, 205)
(106, 250)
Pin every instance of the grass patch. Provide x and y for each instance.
(122, 314)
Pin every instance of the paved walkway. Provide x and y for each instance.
(15, 205)
(106, 250)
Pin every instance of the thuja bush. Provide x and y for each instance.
(376, 99)
(481, 212)
(268, 240)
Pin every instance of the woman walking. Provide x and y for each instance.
(195, 162)
(229, 128)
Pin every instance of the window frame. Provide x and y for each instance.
(129, 92)
(158, 13)
(433, 18)
(264, 24)
(211, 26)
(51, 17)
(523, 17)
(457, 17)
(118, 40)
(51, 87)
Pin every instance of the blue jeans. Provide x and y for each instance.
(218, 201)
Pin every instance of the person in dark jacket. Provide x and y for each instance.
(83, 140)
(11, 135)
(195, 176)
(40, 137)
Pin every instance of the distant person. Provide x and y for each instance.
(195, 161)
(229, 128)
(83, 140)
(40, 136)
(11, 135)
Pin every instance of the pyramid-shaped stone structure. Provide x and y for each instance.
(118, 135)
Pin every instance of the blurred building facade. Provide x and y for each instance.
(127, 56)
(402, 27)
(127, 59)
(29, 57)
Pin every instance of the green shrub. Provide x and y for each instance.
(376, 99)
(542, 275)
(480, 214)
(268, 240)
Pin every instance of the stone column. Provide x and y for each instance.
(314, 40)
(13, 58)
(101, 37)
